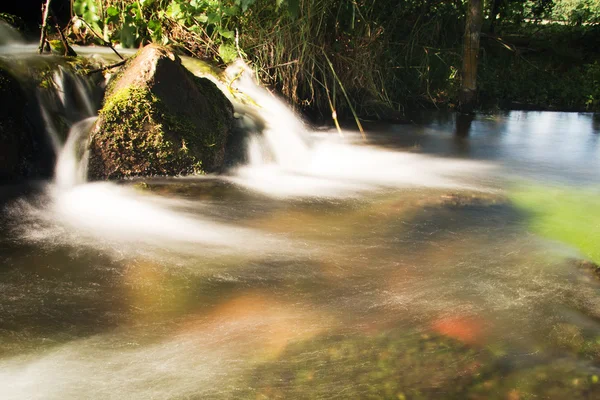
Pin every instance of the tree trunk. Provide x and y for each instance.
(468, 92)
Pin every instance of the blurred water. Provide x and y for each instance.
(395, 268)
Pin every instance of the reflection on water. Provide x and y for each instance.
(556, 146)
(216, 288)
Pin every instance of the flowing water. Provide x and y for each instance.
(402, 267)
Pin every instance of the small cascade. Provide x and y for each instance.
(285, 135)
(286, 159)
(68, 100)
(75, 93)
(68, 109)
(71, 166)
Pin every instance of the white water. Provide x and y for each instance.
(200, 354)
(70, 96)
(9, 35)
(287, 160)
(112, 217)
(71, 165)
(284, 161)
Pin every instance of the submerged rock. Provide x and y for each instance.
(159, 119)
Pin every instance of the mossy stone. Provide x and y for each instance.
(159, 119)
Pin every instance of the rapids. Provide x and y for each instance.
(326, 267)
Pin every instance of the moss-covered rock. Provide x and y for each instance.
(159, 119)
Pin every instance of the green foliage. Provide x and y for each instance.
(134, 23)
(577, 12)
(573, 12)
(547, 67)
(379, 63)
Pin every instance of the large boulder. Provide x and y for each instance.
(24, 150)
(159, 119)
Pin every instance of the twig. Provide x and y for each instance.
(122, 62)
(45, 10)
(108, 44)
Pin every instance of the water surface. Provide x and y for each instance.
(396, 268)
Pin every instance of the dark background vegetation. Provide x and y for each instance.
(375, 58)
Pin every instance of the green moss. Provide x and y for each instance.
(57, 47)
(143, 138)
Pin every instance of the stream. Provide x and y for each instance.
(412, 265)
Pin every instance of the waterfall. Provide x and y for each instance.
(71, 166)
(287, 159)
(69, 99)
(284, 134)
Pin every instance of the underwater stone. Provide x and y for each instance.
(159, 119)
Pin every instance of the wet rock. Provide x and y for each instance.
(159, 119)
(24, 152)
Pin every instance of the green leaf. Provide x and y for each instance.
(227, 53)
(226, 33)
(202, 18)
(112, 16)
(146, 3)
(112, 11)
(154, 25)
(174, 10)
(214, 18)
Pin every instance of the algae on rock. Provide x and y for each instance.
(159, 119)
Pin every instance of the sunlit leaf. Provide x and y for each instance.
(226, 33)
(146, 3)
(174, 10)
(227, 53)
